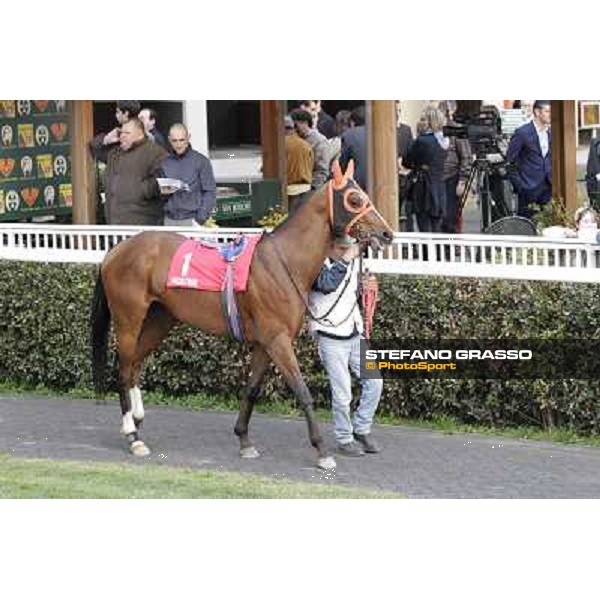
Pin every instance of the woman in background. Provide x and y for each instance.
(426, 196)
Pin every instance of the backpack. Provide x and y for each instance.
(418, 192)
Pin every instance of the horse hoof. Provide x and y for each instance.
(327, 463)
(138, 448)
(250, 452)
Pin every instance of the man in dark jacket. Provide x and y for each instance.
(193, 204)
(125, 111)
(132, 193)
(592, 176)
(404, 140)
(324, 123)
(354, 146)
(404, 135)
(148, 116)
(530, 151)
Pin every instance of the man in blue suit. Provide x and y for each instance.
(530, 151)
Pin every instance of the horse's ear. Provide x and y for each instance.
(349, 174)
(338, 177)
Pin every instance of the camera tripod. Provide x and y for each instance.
(493, 206)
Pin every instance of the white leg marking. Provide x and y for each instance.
(137, 406)
(138, 448)
(326, 463)
(128, 425)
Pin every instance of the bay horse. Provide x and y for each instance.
(131, 287)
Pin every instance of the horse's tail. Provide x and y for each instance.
(100, 325)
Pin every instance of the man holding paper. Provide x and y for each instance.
(192, 192)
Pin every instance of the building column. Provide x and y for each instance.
(411, 112)
(272, 135)
(383, 159)
(564, 152)
(83, 176)
(195, 117)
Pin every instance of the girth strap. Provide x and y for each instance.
(229, 306)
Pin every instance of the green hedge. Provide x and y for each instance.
(44, 340)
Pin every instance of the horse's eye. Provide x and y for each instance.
(356, 200)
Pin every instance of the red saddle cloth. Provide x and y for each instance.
(200, 266)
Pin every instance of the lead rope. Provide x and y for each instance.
(369, 296)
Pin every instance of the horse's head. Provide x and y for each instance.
(352, 213)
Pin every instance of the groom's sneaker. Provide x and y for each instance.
(350, 449)
(367, 442)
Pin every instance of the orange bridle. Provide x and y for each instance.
(359, 212)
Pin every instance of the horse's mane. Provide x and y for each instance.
(301, 209)
(339, 179)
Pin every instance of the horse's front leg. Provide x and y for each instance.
(260, 362)
(128, 427)
(282, 354)
(157, 324)
(127, 348)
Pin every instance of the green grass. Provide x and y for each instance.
(35, 478)
(450, 426)
(440, 423)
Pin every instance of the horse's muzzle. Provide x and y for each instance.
(380, 239)
(386, 237)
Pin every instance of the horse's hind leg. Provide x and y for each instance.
(258, 366)
(157, 324)
(281, 352)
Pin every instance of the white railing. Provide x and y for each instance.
(84, 243)
(500, 257)
(467, 255)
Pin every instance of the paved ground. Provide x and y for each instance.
(415, 462)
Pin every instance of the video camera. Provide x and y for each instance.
(483, 130)
(490, 172)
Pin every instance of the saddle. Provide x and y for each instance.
(214, 267)
(229, 252)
